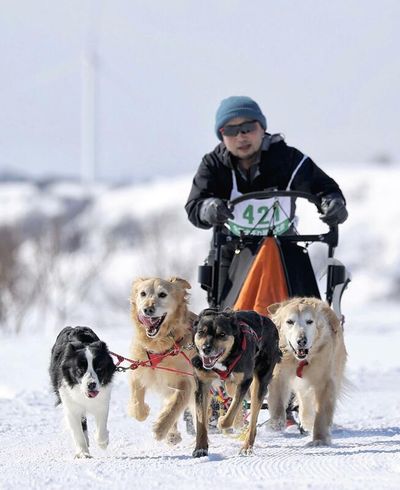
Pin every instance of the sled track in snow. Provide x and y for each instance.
(365, 452)
(281, 459)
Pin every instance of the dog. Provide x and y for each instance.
(242, 348)
(313, 364)
(81, 372)
(163, 336)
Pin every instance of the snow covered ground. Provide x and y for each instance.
(36, 451)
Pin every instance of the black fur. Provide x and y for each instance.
(68, 360)
(257, 360)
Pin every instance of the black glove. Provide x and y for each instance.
(214, 211)
(334, 210)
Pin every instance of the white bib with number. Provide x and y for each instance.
(262, 216)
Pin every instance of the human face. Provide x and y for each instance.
(244, 146)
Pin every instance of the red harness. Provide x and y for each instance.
(224, 374)
(154, 360)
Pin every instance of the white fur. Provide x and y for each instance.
(76, 404)
(322, 378)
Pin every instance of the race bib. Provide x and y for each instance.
(261, 216)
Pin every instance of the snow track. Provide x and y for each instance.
(36, 451)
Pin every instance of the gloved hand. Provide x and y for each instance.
(214, 211)
(334, 210)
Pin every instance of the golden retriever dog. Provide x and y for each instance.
(313, 363)
(163, 337)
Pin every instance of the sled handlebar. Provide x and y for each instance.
(330, 238)
(268, 194)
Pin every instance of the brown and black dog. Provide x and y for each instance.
(242, 348)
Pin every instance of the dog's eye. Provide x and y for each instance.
(162, 295)
(309, 322)
(221, 335)
(290, 322)
(142, 293)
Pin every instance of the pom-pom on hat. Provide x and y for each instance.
(237, 106)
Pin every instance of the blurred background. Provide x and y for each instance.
(108, 107)
(135, 84)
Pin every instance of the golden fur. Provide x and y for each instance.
(309, 330)
(169, 298)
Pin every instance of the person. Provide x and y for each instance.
(248, 159)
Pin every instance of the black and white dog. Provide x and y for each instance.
(81, 371)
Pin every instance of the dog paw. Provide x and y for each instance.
(200, 452)
(82, 455)
(138, 412)
(275, 425)
(160, 431)
(318, 443)
(102, 440)
(246, 451)
(174, 438)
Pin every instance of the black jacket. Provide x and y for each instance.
(214, 176)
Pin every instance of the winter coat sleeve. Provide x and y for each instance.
(311, 178)
(212, 179)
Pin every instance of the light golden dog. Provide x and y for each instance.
(163, 326)
(313, 363)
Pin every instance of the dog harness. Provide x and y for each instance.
(249, 331)
(154, 359)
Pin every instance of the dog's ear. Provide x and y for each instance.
(135, 285)
(330, 316)
(137, 281)
(208, 311)
(272, 309)
(99, 344)
(181, 281)
(74, 346)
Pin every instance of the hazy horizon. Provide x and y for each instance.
(325, 74)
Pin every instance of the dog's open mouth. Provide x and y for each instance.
(92, 393)
(152, 323)
(210, 361)
(301, 354)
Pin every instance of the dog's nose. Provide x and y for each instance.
(207, 349)
(92, 386)
(149, 310)
(302, 341)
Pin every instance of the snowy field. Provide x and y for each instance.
(36, 450)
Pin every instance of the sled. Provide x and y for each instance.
(270, 256)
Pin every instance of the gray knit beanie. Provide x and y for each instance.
(238, 106)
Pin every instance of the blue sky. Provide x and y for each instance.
(326, 74)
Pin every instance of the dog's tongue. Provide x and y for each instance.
(92, 394)
(148, 321)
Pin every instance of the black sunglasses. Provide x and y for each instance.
(246, 127)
